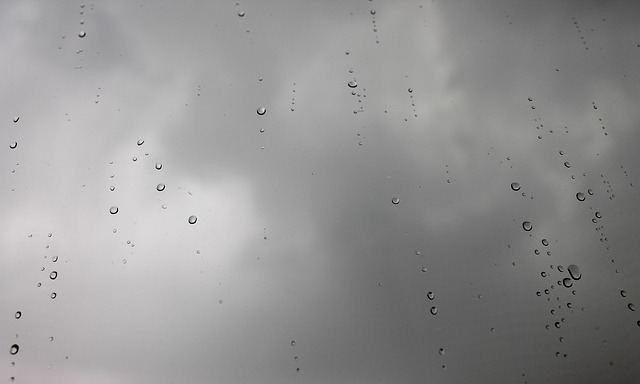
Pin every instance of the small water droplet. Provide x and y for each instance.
(410, 90)
(261, 111)
(537, 252)
(567, 164)
(113, 210)
(241, 14)
(543, 274)
(623, 293)
(589, 191)
(140, 142)
(158, 166)
(261, 130)
(192, 219)
(431, 295)
(352, 84)
(53, 275)
(13, 145)
(51, 339)
(567, 282)
(433, 310)
(135, 159)
(424, 269)
(580, 196)
(293, 343)
(441, 351)
(574, 272)
(54, 258)
(112, 188)
(373, 12)
(53, 295)
(545, 242)
(82, 34)
(160, 187)
(527, 226)
(395, 200)
(599, 215)
(560, 268)
(515, 186)
(631, 306)
(18, 315)
(14, 349)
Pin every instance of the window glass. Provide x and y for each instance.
(319, 192)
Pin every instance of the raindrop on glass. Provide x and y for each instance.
(395, 200)
(54, 258)
(14, 349)
(135, 159)
(545, 242)
(623, 293)
(140, 142)
(424, 269)
(373, 12)
(15, 119)
(53, 295)
(567, 282)
(293, 343)
(434, 310)
(192, 219)
(431, 295)
(13, 145)
(352, 84)
(82, 34)
(631, 306)
(515, 186)
(574, 272)
(112, 188)
(580, 196)
(410, 90)
(53, 275)
(261, 111)
(18, 315)
(113, 210)
(160, 187)
(599, 215)
(441, 351)
(158, 166)
(241, 14)
(590, 191)
(527, 226)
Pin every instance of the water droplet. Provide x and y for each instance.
(140, 142)
(113, 210)
(51, 339)
(293, 343)
(261, 111)
(54, 258)
(543, 274)
(418, 253)
(241, 14)
(261, 130)
(192, 219)
(441, 351)
(160, 187)
(13, 145)
(567, 282)
(623, 293)
(431, 295)
(53, 295)
(560, 268)
(53, 275)
(545, 242)
(557, 324)
(112, 188)
(158, 166)
(631, 306)
(135, 159)
(515, 186)
(567, 164)
(82, 34)
(424, 269)
(395, 200)
(580, 196)
(527, 226)
(574, 272)
(15, 119)
(14, 349)
(537, 252)
(433, 310)
(352, 84)
(589, 191)
(599, 215)
(561, 153)
(18, 315)
(410, 90)
(373, 12)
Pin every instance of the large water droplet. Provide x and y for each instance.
(53, 275)
(527, 226)
(13, 145)
(395, 200)
(82, 34)
(192, 219)
(14, 349)
(18, 315)
(431, 295)
(113, 210)
(567, 282)
(574, 272)
(261, 111)
(515, 186)
(580, 196)
(433, 310)
(160, 187)
(352, 84)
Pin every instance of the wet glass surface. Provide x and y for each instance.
(319, 192)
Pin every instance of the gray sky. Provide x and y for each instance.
(297, 238)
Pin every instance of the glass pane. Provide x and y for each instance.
(319, 192)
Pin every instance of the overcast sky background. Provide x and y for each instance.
(297, 238)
